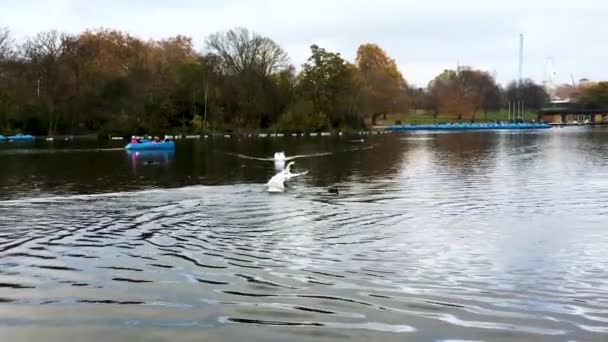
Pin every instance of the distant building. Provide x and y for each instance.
(569, 112)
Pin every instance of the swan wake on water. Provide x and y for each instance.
(277, 182)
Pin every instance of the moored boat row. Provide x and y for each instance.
(17, 137)
(469, 126)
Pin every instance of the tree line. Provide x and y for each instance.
(111, 82)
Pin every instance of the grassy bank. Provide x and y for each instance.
(422, 117)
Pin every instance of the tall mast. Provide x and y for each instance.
(521, 57)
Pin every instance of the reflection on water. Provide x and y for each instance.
(141, 159)
(475, 236)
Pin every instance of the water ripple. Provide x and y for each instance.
(446, 243)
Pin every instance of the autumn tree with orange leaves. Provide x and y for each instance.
(464, 92)
(111, 82)
(384, 88)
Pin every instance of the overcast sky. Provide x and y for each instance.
(423, 36)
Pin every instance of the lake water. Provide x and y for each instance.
(480, 236)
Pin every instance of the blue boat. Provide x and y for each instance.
(147, 145)
(2, 137)
(20, 137)
(469, 126)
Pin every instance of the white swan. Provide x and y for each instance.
(279, 160)
(277, 182)
(279, 156)
(279, 165)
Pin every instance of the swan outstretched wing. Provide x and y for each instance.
(294, 175)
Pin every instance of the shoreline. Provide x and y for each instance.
(374, 130)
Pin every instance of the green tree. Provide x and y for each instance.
(595, 96)
(330, 83)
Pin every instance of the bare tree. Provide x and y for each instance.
(45, 47)
(44, 52)
(6, 44)
(241, 50)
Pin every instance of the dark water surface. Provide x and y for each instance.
(488, 236)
